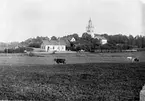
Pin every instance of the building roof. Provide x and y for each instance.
(99, 37)
(69, 38)
(54, 42)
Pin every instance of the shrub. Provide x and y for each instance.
(31, 54)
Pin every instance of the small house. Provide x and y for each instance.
(53, 45)
(102, 39)
(72, 39)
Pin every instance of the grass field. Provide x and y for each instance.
(72, 82)
(71, 58)
(85, 77)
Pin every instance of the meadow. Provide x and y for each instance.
(72, 82)
(71, 58)
(85, 77)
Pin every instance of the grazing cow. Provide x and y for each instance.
(135, 60)
(60, 61)
(129, 58)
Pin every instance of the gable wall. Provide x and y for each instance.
(55, 48)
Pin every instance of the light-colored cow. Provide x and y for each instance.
(129, 58)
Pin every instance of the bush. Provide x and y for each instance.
(9, 50)
(31, 54)
(35, 45)
(17, 50)
(141, 49)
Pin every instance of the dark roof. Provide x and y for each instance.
(54, 42)
(99, 36)
(67, 38)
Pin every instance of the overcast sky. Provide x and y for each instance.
(23, 19)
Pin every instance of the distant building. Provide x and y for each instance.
(90, 28)
(102, 39)
(72, 39)
(53, 45)
(69, 38)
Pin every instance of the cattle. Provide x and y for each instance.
(136, 60)
(133, 59)
(129, 58)
(58, 60)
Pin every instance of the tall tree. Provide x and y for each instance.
(86, 36)
(76, 36)
(53, 38)
(131, 39)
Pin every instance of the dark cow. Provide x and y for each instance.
(60, 61)
(136, 60)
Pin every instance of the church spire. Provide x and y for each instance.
(90, 28)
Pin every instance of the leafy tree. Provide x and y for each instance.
(30, 41)
(143, 41)
(76, 36)
(86, 36)
(95, 42)
(53, 38)
(131, 40)
(138, 41)
(35, 45)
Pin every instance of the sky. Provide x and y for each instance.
(23, 19)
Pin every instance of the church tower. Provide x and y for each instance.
(90, 28)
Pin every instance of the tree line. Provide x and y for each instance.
(87, 43)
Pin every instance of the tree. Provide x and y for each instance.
(35, 45)
(95, 42)
(53, 38)
(143, 41)
(75, 35)
(131, 40)
(138, 41)
(86, 36)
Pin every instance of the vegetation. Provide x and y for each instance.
(34, 42)
(86, 42)
(77, 82)
(116, 43)
(54, 38)
(18, 50)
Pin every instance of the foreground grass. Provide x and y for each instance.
(77, 82)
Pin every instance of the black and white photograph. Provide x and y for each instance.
(72, 50)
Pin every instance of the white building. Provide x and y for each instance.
(53, 45)
(72, 39)
(90, 30)
(102, 39)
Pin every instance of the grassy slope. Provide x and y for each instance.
(87, 82)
